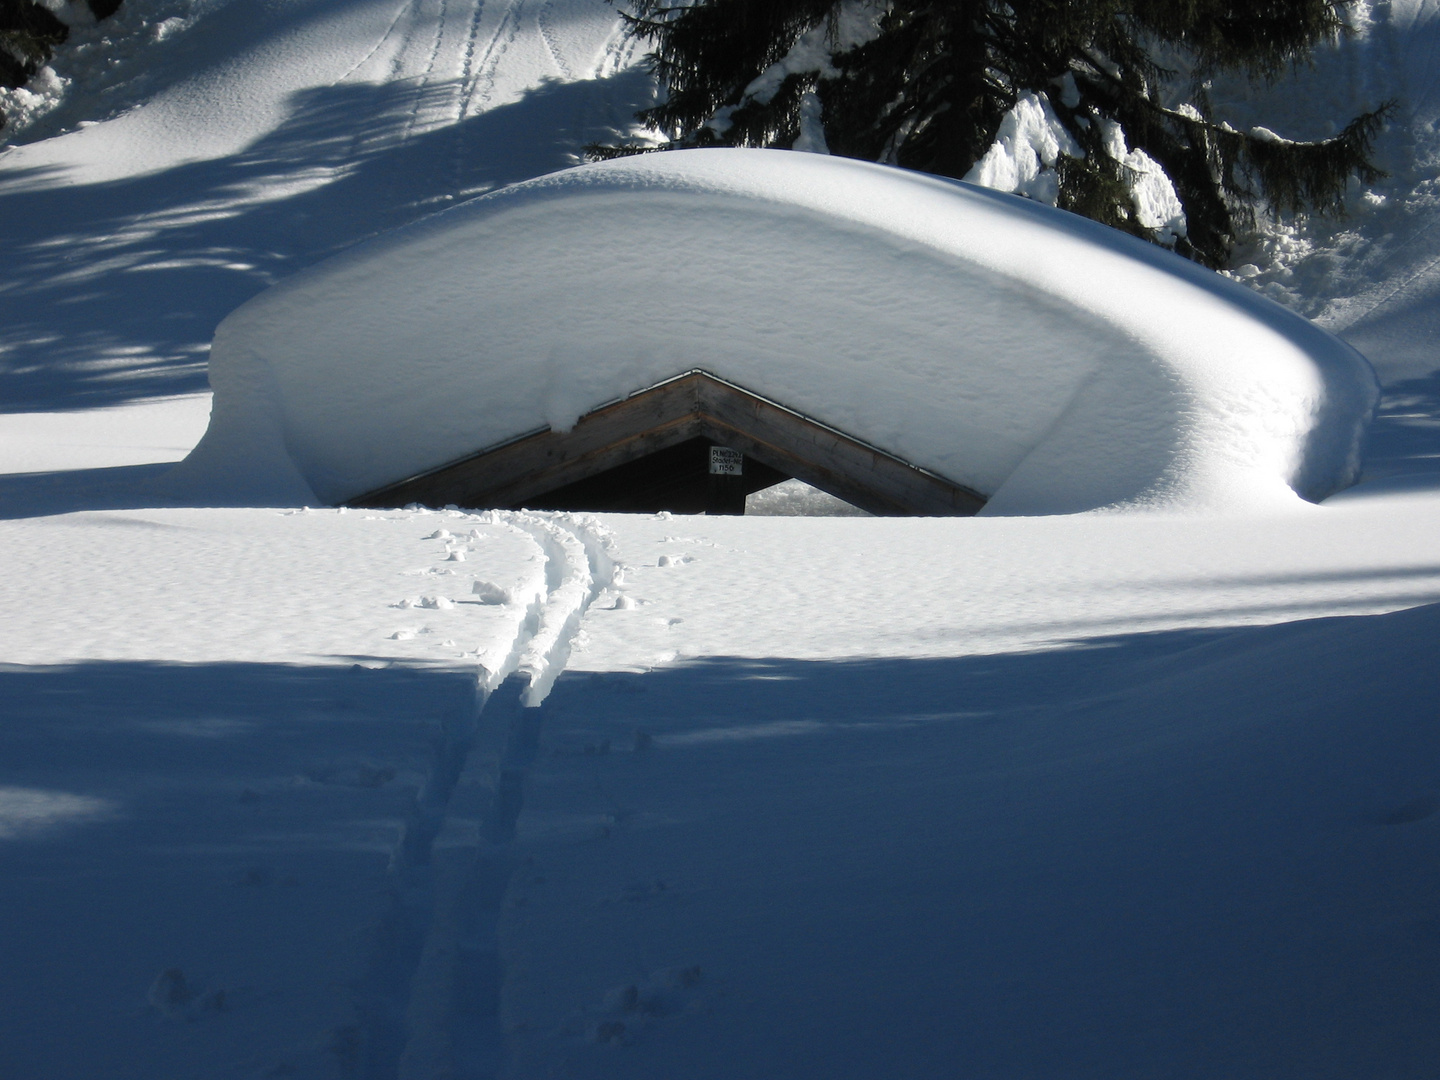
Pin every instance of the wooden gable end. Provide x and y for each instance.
(694, 405)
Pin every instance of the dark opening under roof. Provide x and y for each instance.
(581, 469)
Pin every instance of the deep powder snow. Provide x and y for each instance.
(1100, 795)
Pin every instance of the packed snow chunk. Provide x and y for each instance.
(1026, 149)
(1048, 363)
(487, 592)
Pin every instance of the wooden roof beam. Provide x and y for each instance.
(696, 404)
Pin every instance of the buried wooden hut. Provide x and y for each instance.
(626, 335)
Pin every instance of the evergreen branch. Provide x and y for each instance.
(931, 86)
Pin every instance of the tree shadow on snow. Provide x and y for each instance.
(1402, 449)
(1189, 854)
(115, 288)
(121, 487)
(193, 857)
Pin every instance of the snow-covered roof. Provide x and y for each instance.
(1050, 363)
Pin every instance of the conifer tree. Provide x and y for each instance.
(29, 32)
(1118, 86)
(28, 35)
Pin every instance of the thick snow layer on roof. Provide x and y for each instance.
(1044, 360)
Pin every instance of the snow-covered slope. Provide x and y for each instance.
(1085, 796)
(203, 149)
(1045, 361)
(802, 785)
(1186, 855)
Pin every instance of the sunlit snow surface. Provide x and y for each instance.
(987, 783)
(1100, 796)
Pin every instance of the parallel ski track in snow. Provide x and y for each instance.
(486, 71)
(478, 74)
(547, 33)
(434, 954)
(400, 13)
(467, 86)
(467, 65)
(422, 82)
(617, 54)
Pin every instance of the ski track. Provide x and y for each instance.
(472, 71)
(428, 1005)
(467, 64)
(488, 68)
(547, 34)
(462, 105)
(423, 80)
(400, 13)
(1425, 270)
(620, 55)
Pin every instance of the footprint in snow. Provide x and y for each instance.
(171, 994)
(173, 997)
(629, 1008)
(1413, 811)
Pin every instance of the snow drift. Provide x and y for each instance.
(1046, 361)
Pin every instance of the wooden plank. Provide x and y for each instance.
(691, 405)
(828, 459)
(611, 435)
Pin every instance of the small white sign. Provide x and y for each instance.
(726, 462)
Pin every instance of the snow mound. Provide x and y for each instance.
(1046, 361)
